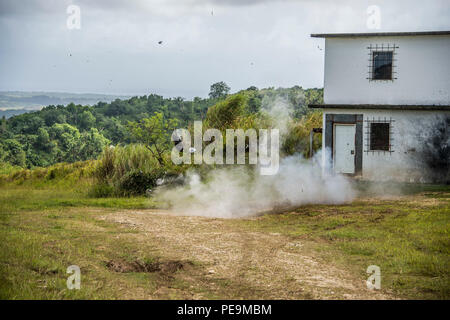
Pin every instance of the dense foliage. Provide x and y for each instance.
(77, 133)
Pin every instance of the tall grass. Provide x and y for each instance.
(7, 168)
(61, 175)
(129, 170)
(120, 171)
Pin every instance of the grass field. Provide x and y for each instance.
(407, 237)
(126, 249)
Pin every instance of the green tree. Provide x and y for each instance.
(2, 153)
(43, 140)
(68, 139)
(14, 154)
(63, 133)
(61, 118)
(87, 120)
(115, 131)
(3, 124)
(254, 102)
(93, 144)
(155, 133)
(223, 115)
(219, 90)
(297, 139)
(33, 124)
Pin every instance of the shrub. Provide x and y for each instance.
(128, 170)
(224, 114)
(7, 168)
(137, 182)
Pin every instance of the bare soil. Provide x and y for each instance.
(238, 264)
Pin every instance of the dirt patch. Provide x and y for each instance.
(236, 263)
(166, 267)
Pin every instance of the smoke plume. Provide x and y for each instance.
(238, 191)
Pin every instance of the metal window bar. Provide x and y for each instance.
(368, 132)
(382, 48)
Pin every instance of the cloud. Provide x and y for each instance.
(30, 7)
(249, 42)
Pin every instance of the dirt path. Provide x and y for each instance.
(239, 264)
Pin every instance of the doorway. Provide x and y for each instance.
(344, 148)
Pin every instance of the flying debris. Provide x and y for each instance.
(319, 48)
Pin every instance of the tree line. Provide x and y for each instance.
(78, 132)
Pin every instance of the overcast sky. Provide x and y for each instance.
(242, 42)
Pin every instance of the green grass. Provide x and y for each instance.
(48, 221)
(408, 239)
(37, 247)
(367, 188)
(42, 232)
(61, 185)
(21, 198)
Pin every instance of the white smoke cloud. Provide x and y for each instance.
(238, 191)
(280, 112)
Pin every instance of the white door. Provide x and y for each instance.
(344, 148)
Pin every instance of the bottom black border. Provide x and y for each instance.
(221, 309)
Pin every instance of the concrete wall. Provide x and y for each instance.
(410, 130)
(422, 66)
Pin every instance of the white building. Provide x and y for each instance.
(386, 111)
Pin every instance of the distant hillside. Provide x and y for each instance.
(18, 102)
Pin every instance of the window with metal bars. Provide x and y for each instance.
(382, 62)
(382, 65)
(379, 136)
